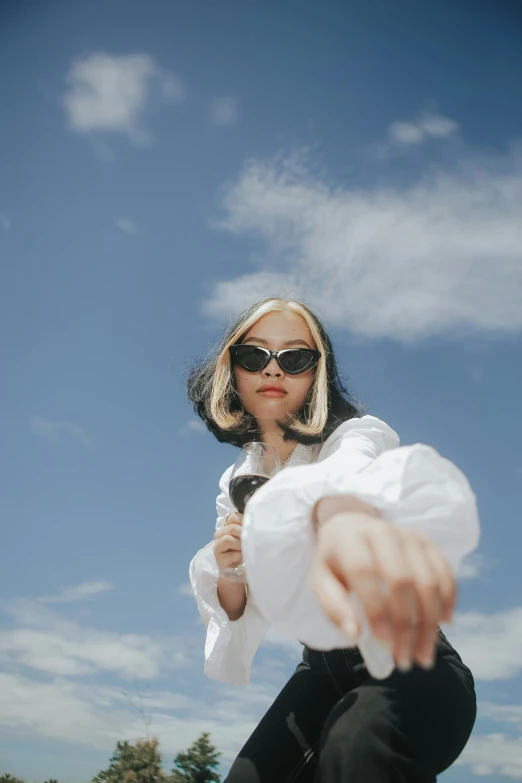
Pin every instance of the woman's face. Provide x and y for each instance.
(275, 331)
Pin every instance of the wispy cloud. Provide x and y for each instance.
(474, 566)
(428, 125)
(195, 425)
(67, 707)
(77, 592)
(5, 221)
(440, 256)
(100, 716)
(110, 93)
(493, 754)
(224, 111)
(185, 589)
(289, 645)
(45, 642)
(51, 430)
(126, 225)
(489, 644)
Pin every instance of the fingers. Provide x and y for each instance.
(447, 581)
(228, 530)
(425, 580)
(400, 606)
(358, 565)
(402, 581)
(230, 559)
(234, 519)
(334, 600)
(227, 543)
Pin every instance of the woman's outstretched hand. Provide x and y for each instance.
(403, 582)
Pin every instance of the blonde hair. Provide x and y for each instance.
(312, 420)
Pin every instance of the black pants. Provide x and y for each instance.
(334, 723)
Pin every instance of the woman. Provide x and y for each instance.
(351, 511)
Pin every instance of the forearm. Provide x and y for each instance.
(232, 596)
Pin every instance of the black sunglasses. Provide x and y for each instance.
(292, 361)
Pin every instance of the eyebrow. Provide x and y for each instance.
(261, 341)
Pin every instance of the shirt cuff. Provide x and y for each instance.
(230, 645)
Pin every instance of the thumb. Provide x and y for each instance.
(334, 600)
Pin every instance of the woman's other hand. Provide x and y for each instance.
(227, 542)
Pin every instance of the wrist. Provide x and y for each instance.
(330, 506)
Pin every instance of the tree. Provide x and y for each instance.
(139, 763)
(8, 778)
(196, 765)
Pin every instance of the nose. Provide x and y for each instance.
(272, 369)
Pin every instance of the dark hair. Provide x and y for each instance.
(200, 379)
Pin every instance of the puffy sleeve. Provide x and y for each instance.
(230, 645)
(413, 486)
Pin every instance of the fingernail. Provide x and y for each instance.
(428, 662)
(404, 664)
(350, 628)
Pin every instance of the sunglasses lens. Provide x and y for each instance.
(250, 358)
(296, 361)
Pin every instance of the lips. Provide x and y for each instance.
(271, 390)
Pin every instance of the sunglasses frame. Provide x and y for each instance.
(316, 355)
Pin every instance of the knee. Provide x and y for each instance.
(358, 732)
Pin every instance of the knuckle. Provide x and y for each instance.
(431, 585)
(430, 590)
(377, 614)
(399, 583)
(365, 573)
(405, 624)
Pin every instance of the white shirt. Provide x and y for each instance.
(412, 486)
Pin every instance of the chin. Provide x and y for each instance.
(273, 413)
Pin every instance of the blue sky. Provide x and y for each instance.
(163, 165)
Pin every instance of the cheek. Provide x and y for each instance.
(244, 383)
(301, 389)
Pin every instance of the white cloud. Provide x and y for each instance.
(427, 125)
(110, 93)
(5, 221)
(224, 111)
(440, 127)
(440, 256)
(57, 703)
(405, 133)
(195, 425)
(44, 641)
(489, 644)
(51, 430)
(502, 713)
(291, 646)
(126, 225)
(493, 754)
(185, 589)
(100, 716)
(77, 592)
(474, 566)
